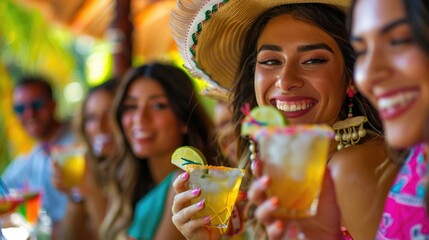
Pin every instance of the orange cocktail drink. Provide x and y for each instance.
(219, 187)
(295, 159)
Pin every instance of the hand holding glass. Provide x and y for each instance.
(295, 159)
(71, 160)
(219, 188)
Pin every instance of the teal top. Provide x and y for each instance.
(149, 210)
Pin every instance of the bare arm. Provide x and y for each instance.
(362, 182)
(75, 224)
(83, 220)
(166, 229)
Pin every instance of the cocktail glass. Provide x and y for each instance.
(30, 207)
(71, 160)
(8, 205)
(219, 187)
(295, 159)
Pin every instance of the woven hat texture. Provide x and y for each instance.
(210, 34)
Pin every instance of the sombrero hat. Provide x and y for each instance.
(210, 33)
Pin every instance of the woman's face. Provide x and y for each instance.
(97, 123)
(391, 70)
(299, 70)
(151, 127)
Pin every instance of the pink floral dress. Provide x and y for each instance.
(404, 214)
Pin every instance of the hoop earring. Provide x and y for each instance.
(349, 131)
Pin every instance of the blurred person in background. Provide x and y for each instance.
(34, 105)
(86, 210)
(222, 116)
(156, 111)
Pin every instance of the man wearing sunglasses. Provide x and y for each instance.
(34, 105)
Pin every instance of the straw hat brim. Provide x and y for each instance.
(210, 34)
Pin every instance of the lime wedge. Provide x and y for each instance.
(262, 116)
(186, 155)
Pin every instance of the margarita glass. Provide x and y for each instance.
(295, 160)
(219, 189)
(71, 160)
(8, 205)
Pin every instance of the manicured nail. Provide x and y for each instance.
(265, 181)
(275, 201)
(200, 204)
(185, 175)
(207, 219)
(196, 191)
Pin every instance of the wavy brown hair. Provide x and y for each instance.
(131, 176)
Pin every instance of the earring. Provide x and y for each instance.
(349, 131)
(252, 149)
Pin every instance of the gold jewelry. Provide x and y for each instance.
(252, 149)
(346, 132)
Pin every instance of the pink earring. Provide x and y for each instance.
(350, 94)
(349, 131)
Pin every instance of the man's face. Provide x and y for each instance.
(35, 110)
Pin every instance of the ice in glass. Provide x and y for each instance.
(219, 187)
(295, 159)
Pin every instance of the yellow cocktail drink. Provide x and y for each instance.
(219, 187)
(295, 160)
(71, 159)
(73, 169)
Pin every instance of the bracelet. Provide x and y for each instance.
(75, 196)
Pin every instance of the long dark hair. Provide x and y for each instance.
(417, 14)
(132, 177)
(327, 18)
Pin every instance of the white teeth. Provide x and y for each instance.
(286, 107)
(398, 100)
(139, 134)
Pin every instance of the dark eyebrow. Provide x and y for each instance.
(270, 47)
(384, 29)
(393, 24)
(304, 48)
(310, 47)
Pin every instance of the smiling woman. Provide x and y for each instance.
(156, 111)
(295, 56)
(391, 40)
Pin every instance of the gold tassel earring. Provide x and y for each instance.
(349, 131)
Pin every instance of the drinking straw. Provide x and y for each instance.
(4, 189)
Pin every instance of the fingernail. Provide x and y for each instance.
(185, 175)
(207, 219)
(265, 181)
(275, 201)
(200, 204)
(196, 191)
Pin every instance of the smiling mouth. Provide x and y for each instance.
(294, 106)
(400, 100)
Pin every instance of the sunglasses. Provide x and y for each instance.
(35, 105)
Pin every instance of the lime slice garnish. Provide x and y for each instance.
(260, 117)
(187, 155)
